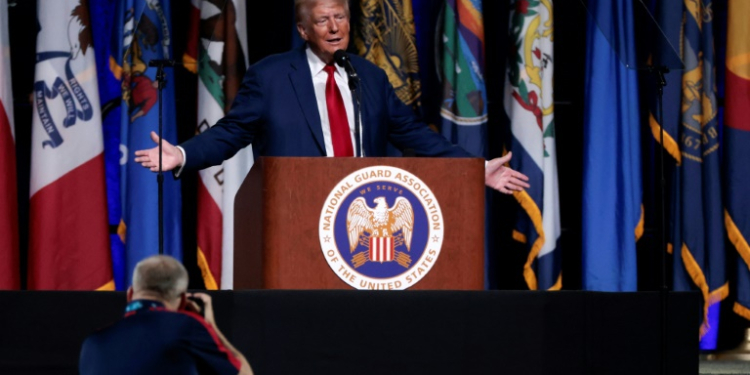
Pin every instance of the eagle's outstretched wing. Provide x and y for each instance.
(358, 220)
(402, 218)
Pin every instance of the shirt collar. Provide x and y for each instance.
(317, 65)
(142, 304)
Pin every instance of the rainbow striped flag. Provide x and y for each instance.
(464, 106)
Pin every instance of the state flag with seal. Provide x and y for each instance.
(68, 231)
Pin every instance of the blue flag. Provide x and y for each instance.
(697, 217)
(110, 96)
(612, 215)
(143, 33)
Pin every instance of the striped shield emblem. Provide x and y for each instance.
(382, 249)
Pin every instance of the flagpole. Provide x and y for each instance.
(664, 289)
(161, 79)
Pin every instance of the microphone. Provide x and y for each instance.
(342, 59)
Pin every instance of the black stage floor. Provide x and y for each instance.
(405, 332)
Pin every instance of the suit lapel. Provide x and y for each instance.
(302, 82)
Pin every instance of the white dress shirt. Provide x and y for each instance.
(320, 77)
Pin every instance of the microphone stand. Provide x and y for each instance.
(161, 78)
(341, 58)
(661, 81)
(357, 95)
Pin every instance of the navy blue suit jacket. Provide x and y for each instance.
(276, 111)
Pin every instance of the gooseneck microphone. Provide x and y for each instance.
(342, 59)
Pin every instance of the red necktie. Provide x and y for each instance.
(340, 134)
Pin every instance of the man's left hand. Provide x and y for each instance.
(502, 178)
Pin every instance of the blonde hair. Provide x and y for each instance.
(161, 275)
(302, 8)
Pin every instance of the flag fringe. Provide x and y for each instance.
(208, 277)
(519, 237)
(669, 143)
(719, 294)
(115, 68)
(109, 286)
(558, 283)
(122, 230)
(741, 310)
(190, 63)
(699, 279)
(639, 227)
(528, 204)
(737, 239)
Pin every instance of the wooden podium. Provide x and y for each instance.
(278, 212)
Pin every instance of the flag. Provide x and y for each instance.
(691, 138)
(464, 106)
(736, 151)
(697, 218)
(110, 97)
(68, 240)
(529, 106)
(143, 33)
(386, 37)
(426, 21)
(9, 266)
(611, 209)
(220, 60)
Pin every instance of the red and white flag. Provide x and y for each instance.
(219, 57)
(9, 271)
(68, 231)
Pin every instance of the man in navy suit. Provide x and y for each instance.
(298, 104)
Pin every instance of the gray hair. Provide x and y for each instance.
(302, 8)
(161, 275)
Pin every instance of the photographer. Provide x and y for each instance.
(162, 331)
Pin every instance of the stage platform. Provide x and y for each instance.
(398, 332)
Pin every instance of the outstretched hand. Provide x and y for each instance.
(502, 178)
(171, 157)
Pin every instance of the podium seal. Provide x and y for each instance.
(381, 228)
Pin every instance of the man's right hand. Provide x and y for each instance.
(208, 307)
(171, 156)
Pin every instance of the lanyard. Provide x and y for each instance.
(142, 304)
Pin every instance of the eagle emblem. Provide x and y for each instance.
(381, 230)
